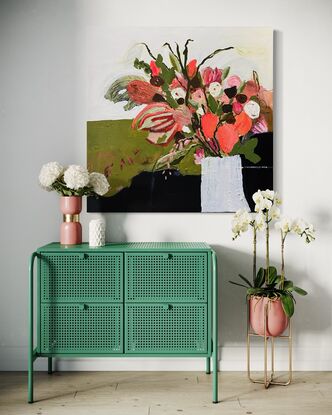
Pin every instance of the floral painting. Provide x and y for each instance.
(182, 119)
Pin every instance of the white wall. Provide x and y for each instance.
(43, 88)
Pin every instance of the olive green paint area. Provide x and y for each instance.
(121, 153)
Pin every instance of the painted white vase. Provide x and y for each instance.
(222, 185)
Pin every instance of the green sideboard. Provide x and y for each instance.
(124, 299)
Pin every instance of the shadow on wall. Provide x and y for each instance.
(312, 313)
(115, 227)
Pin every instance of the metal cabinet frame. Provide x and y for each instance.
(35, 352)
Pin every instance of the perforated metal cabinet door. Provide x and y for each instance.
(171, 276)
(166, 328)
(85, 277)
(81, 328)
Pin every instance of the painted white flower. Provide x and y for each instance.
(215, 89)
(252, 109)
(49, 173)
(284, 225)
(186, 129)
(178, 93)
(200, 111)
(99, 183)
(76, 177)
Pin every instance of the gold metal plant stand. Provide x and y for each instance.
(269, 380)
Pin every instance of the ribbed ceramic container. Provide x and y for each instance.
(96, 233)
(276, 321)
(71, 229)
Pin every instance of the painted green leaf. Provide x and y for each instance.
(212, 103)
(167, 74)
(172, 159)
(247, 149)
(174, 61)
(117, 92)
(225, 72)
(142, 65)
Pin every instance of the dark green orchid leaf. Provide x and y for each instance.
(299, 290)
(287, 305)
(238, 284)
(245, 280)
(260, 278)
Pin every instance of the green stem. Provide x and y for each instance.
(254, 254)
(282, 281)
(267, 276)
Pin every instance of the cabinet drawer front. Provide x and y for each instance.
(78, 328)
(166, 277)
(81, 277)
(166, 328)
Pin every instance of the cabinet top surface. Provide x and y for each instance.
(128, 246)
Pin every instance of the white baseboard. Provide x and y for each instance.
(232, 359)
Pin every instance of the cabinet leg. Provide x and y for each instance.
(30, 379)
(215, 328)
(208, 366)
(49, 370)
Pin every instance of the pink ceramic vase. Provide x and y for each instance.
(276, 320)
(71, 229)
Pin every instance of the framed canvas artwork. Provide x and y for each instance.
(180, 119)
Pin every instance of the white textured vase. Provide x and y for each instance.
(222, 185)
(96, 233)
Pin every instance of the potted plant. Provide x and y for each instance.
(72, 183)
(208, 114)
(268, 287)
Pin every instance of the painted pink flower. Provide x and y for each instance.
(198, 156)
(198, 96)
(162, 121)
(237, 107)
(233, 80)
(260, 126)
(179, 82)
(210, 75)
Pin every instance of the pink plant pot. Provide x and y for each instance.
(71, 229)
(276, 320)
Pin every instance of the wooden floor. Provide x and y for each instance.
(154, 393)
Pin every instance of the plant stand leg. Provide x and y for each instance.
(208, 366)
(215, 327)
(49, 366)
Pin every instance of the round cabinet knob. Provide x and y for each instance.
(83, 306)
(167, 307)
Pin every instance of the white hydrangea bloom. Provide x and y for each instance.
(49, 173)
(99, 183)
(76, 177)
(252, 109)
(215, 89)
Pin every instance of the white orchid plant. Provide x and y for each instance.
(267, 282)
(74, 180)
